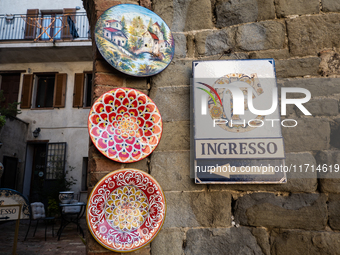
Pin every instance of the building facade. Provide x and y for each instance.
(45, 64)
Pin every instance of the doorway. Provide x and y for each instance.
(8, 179)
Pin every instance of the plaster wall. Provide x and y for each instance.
(59, 125)
(20, 7)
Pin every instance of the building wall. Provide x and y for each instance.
(60, 125)
(298, 217)
(20, 7)
(13, 139)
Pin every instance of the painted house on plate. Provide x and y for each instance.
(115, 35)
(114, 24)
(46, 64)
(151, 42)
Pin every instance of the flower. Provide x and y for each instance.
(125, 125)
(123, 212)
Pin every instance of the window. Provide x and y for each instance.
(56, 24)
(82, 94)
(56, 154)
(47, 90)
(51, 26)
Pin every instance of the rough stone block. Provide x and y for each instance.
(330, 63)
(198, 14)
(173, 102)
(102, 164)
(297, 211)
(227, 56)
(330, 185)
(309, 135)
(168, 241)
(266, 9)
(321, 107)
(102, 66)
(215, 41)
(263, 35)
(146, 4)
(177, 73)
(262, 238)
(275, 54)
(185, 15)
(95, 177)
(330, 5)
(113, 80)
(285, 8)
(180, 45)
(236, 12)
(297, 181)
(297, 67)
(334, 211)
(92, 245)
(316, 86)
(140, 165)
(223, 241)
(335, 133)
(190, 46)
(198, 209)
(175, 136)
(136, 83)
(164, 9)
(172, 171)
(329, 180)
(309, 34)
(295, 242)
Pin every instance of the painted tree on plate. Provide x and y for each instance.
(150, 26)
(123, 22)
(136, 30)
(163, 30)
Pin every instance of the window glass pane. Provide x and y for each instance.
(55, 160)
(45, 91)
(57, 26)
(88, 90)
(45, 23)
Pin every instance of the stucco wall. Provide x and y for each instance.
(60, 125)
(13, 138)
(20, 7)
(298, 217)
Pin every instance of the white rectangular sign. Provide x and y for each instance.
(236, 121)
(240, 148)
(9, 212)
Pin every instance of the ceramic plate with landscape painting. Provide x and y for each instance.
(134, 40)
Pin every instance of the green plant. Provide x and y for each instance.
(11, 110)
(60, 183)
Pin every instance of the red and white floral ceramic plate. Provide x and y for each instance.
(125, 125)
(126, 210)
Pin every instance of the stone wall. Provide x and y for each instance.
(300, 217)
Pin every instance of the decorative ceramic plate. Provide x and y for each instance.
(125, 125)
(134, 40)
(126, 210)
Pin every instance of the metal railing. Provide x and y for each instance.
(44, 27)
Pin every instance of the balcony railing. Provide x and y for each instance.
(47, 27)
